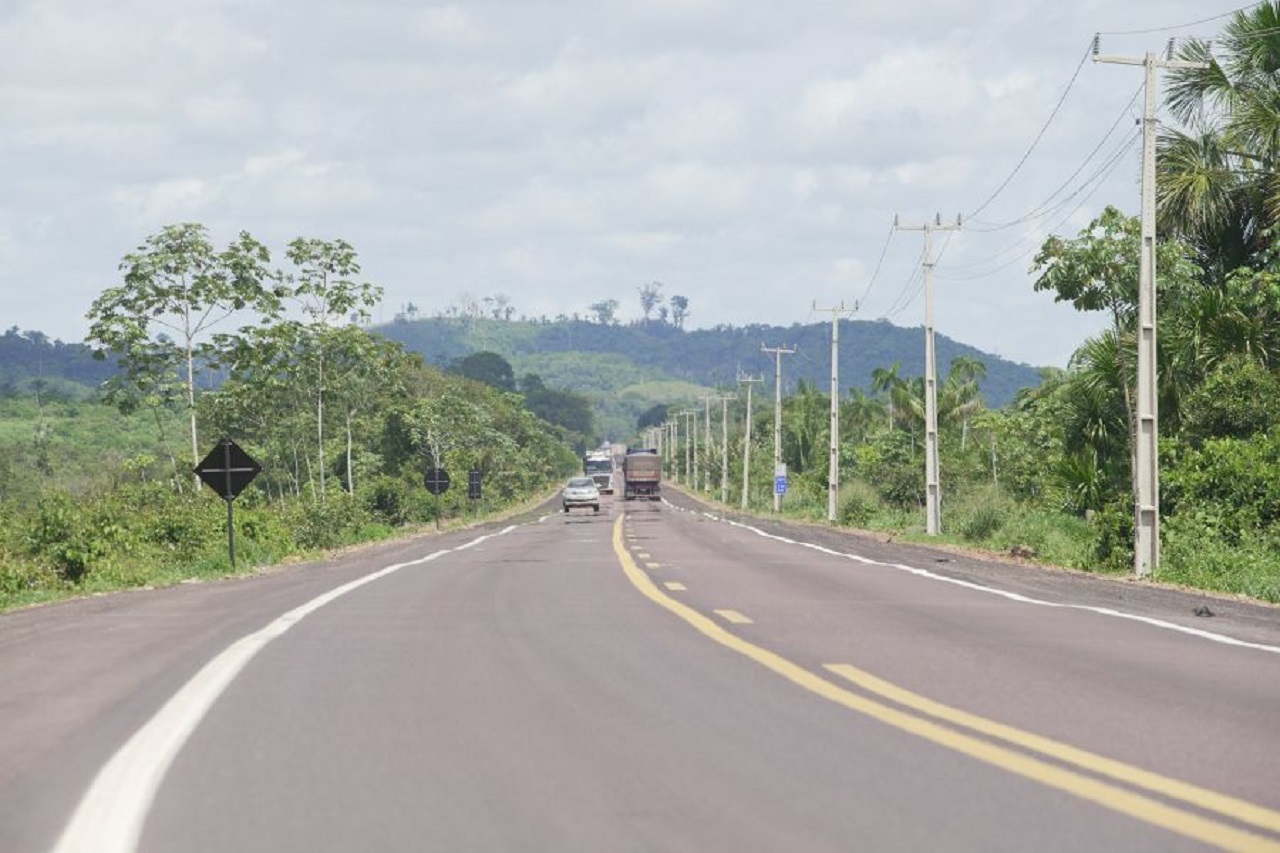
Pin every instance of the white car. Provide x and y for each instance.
(581, 492)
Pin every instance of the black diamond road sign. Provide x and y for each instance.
(227, 469)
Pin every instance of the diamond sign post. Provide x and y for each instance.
(227, 470)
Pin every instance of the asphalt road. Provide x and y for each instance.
(651, 677)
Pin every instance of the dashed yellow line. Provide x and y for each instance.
(733, 616)
(1104, 794)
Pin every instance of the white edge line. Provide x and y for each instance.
(110, 815)
(1012, 596)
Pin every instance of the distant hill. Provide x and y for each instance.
(628, 368)
(31, 361)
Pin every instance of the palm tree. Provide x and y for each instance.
(960, 397)
(885, 380)
(1217, 184)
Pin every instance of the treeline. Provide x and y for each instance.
(344, 423)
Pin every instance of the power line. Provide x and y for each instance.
(883, 249)
(1020, 248)
(1182, 26)
(1044, 208)
(1058, 106)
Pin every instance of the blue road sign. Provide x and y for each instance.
(779, 485)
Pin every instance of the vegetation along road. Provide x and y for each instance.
(652, 677)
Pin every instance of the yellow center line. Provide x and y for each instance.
(1241, 810)
(733, 616)
(1101, 793)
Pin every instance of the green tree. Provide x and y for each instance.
(177, 287)
(650, 297)
(487, 367)
(679, 310)
(605, 311)
(324, 286)
(1217, 181)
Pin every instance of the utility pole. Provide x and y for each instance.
(688, 443)
(833, 463)
(932, 486)
(777, 353)
(1146, 472)
(706, 439)
(746, 441)
(724, 446)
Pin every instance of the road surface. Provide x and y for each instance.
(654, 677)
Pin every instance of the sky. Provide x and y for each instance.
(749, 156)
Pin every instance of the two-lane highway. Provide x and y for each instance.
(647, 678)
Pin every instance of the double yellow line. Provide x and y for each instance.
(1125, 800)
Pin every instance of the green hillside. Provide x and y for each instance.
(625, 369)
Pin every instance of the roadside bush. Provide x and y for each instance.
(327, 524)
(858, 504)
(981, 522)
(387, 499)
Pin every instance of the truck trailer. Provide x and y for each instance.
(642, 475)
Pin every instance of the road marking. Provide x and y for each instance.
(653, 565)
(1012, 596)
(675, 586)
(734, 617)
(1101, 793)
(642, 555)
(1241, 810)
(110, 816)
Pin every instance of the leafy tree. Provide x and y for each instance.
(487, 367)
(679, 310)
(1218, 184)
(323, 285)
(176, 288)
(650, 297)
(605, 311)
(653, 416)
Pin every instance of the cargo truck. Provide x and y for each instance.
(598, 465)
(642, 475)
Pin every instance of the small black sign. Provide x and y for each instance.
(473, 484)
(227, 469)
(437, 481)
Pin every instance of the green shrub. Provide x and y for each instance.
(858, 504)
(981, 522)
(387, 498)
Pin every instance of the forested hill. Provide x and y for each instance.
(704, 357)
(30, 360)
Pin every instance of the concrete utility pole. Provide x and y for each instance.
(777, 353)
(687, 465)
(1146, 472)
(746, 441)
(932, 486)
(724, 446)
(706, 439)
(833, 463)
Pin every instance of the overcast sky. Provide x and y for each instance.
(749, 156)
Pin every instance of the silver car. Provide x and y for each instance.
(581, 492)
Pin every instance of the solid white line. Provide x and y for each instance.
(111, 814)
(1012, 596)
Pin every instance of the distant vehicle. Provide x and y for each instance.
(642, 475)
(598, 465)
(580, 492)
